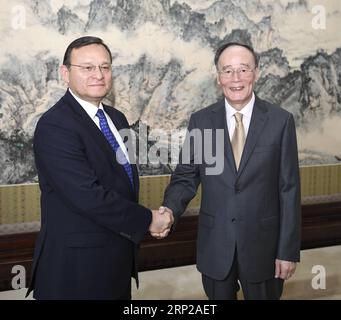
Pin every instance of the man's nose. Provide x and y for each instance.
(98, 73)
(236, 75)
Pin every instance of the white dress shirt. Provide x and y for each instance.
(91, 110)
(246, 112)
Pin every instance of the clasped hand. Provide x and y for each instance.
(161, 223)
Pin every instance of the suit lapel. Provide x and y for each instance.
(258, 120)
(100, 139)
(219, 122)
(119, 125)
(93, 130)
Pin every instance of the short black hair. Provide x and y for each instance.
(82, 42)
(230, 44)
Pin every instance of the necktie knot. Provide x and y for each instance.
(100, 114)
(239, 117)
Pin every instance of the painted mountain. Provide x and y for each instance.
(163, 65)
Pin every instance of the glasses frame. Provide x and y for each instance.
(85, 68)
(243, 72)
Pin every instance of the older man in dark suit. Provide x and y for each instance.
(249, 220)
(91, 223)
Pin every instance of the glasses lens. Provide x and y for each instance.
(242, 73)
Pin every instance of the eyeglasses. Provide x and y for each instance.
(243, 73)
(89, 69)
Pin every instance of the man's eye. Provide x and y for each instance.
(228, 71)
(105, 68)
(243, 70)
(88, 68)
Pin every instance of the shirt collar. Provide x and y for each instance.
(246, 111)
(90, 108)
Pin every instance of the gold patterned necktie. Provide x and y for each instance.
(238, 139)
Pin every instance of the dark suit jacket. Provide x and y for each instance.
(256, 209)
(91, 222)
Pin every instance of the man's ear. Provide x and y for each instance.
(64, 72)
(256, 74)
(218, 81)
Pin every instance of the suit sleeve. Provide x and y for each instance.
(186, 177)
(61, 160)
(290, 199)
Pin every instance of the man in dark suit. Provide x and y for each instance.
(249, 220)
(91, 222)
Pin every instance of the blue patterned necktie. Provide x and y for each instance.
(121, 158)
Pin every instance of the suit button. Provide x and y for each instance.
(237, 188)
(233, 219)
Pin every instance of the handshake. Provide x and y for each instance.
(162, 222)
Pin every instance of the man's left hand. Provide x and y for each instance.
(284, 269)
